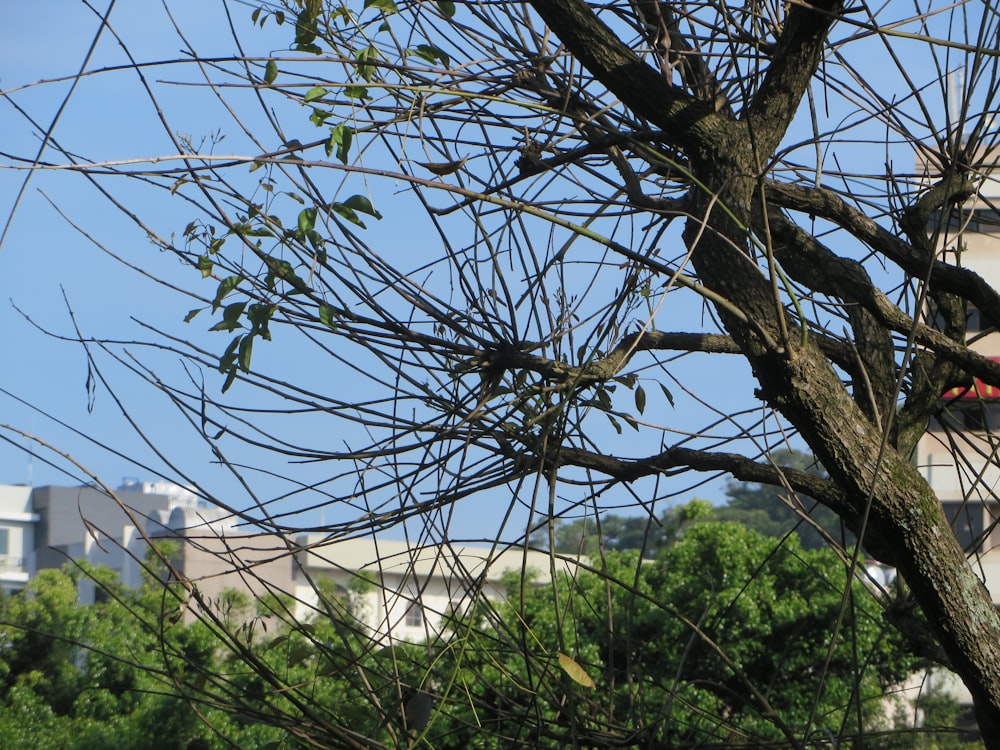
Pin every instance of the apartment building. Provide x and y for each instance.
(393, 589)
(959, 453)
(17, 521)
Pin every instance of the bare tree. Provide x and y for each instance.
(587, 176)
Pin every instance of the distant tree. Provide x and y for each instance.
(934, 720)
(79, 677)
(612, 532)
(775, 511)
(588, 536)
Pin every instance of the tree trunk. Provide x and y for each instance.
(726, 156)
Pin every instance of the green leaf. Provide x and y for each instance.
(282, 269)
(348, 213)
(275, 642)
(316, 92)
(357, 92)
(259, 315)
(615, 424)
(205, 265)
(192, 314)
(248, 230)
(270, 72)
(667, 393)
(307, 220)
(230, 318)
(319, 116)
(418, 711)
(227, 285)
(388, 7)
(299, 652)
(601, 394)
(228, 357)
(640, 399)
(315, 239)
(430, 53)
(328, 316)
(340, 137)
(627, 380)
(306, 30)
(365, 67)
(245, 353)
(447, 8)
(443, 168)
(230, 377)
(362, 204)
(575, 671)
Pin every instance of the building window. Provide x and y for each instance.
(4, 542)
(966, 519)
(977, 220)
(414, 616)
(974, 415)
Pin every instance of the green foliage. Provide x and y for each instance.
(126, 673)
(586, 536)
(764, 507)
(933, 721)
(725, 635)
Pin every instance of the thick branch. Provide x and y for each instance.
(642, 88)
(673, 45)
(737, 466)
(799, 52)
(608, 366)
(817, 267)
(943, 276)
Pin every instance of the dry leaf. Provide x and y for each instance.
(575, 671)
(444, 168)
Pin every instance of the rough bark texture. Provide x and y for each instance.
(876, 481)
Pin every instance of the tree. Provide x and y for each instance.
(126, 672)
(588, 174)
(586, 536)
(766, 619)
(774, 511)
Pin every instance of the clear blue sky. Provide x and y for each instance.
(43, 257)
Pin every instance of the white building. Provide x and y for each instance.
(959, 454)
(17, 534)
(407, 592)
(393, 590)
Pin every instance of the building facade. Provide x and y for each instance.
(392, 589)
(17, 529)
(959, 455)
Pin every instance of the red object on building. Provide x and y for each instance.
(978, 390)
